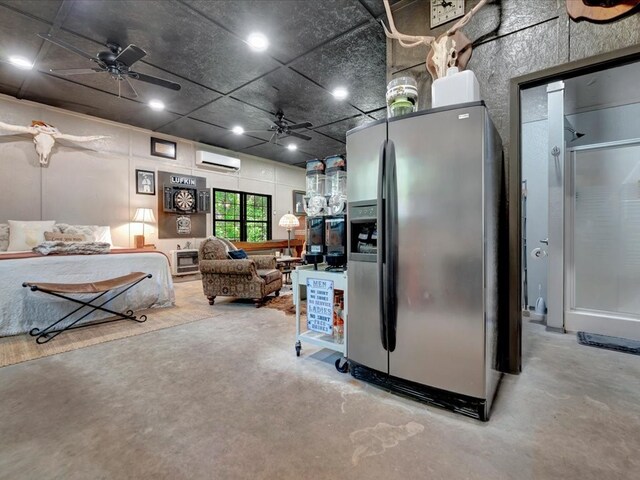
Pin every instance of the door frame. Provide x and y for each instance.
(511, 360)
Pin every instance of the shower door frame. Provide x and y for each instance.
(583, 319)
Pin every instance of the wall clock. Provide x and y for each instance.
(443, 11)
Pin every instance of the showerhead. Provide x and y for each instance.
(574, 133)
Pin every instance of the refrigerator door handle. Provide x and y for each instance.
(391, 245)
(381, 244)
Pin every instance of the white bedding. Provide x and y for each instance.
(21, 309)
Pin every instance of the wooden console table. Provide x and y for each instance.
(296, 246)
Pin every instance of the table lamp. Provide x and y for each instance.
(143, 215)
(289, 221)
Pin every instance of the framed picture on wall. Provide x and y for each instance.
(163, 148)
(298, 202)
(145, 182)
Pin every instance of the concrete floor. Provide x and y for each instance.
(227, 398)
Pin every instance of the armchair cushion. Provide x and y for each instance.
(228, 267)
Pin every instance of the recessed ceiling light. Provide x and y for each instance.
(292, 146)
(21, 62)
(340, 93)
(258, 42)
(238, 130)
(156, 105)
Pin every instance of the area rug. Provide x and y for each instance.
(610, 343)
(284, 303)
(191, 307)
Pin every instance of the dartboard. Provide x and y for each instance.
(184, 200)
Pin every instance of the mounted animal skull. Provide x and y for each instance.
(44, 137)
(451, 49)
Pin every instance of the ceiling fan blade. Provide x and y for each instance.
(296, 126)
(299, 135)
(130, 85)
(274, 136)
(75, 71)
(155, 81)
(130, 55)
(67, 46)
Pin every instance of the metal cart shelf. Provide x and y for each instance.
(299, 277)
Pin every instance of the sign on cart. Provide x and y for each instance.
(320, 305)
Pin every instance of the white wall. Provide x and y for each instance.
(94, 183)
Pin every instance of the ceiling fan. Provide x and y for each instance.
(281, 128)
(116, 62)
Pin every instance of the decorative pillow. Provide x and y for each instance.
(4, 237)
(26, 235)
(103, 234)
(228, 245)
(63, 237)
(89, 231)
(60, 227)
(73, 248)
(238, 254)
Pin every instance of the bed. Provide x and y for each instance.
(21, 309)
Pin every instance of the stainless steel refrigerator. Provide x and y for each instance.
(424, 195)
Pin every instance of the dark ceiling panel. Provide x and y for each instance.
(356, 61)
(210, 134)
(181, 41)
(191, 95)
(292, 26)
(16, 37)
(376, 7)
(45, 10)
(278, 153)
(319, 146)
(70, 96)
(379, 114)
(228, 112)
(300, 99)
(338, 130)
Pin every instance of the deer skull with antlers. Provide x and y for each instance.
(44, 137)
(451, 49)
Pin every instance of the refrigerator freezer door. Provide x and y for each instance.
(440, 339)
(364, 336)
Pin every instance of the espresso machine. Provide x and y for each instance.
(315, 204)
(335, 220)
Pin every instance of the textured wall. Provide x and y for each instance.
(511, 38)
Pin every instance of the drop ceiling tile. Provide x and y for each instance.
(45, 10)
(338, 130)
(376, 7)
(209, 134)
(188, 98)
(278, 153)
(319, 146)
(357, 61)
(300, 99)
(18, 35)
(181, 41)
(379, 114)
(292, 27)
(70, 96)
(229, 112)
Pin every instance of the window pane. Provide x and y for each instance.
(256, 232)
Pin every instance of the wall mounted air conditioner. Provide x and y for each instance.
(215, 161)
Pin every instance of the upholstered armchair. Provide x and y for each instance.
(254, 277)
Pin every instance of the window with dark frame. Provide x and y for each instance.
(241, 216)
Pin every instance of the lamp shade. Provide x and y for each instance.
(144, 215)
(289, 221)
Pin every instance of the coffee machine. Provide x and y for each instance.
(315, 205)
(335, 221)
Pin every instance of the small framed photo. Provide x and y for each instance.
(163, 148)
(145, 182)
(298, 202)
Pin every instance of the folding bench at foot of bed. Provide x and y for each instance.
(101, 288)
